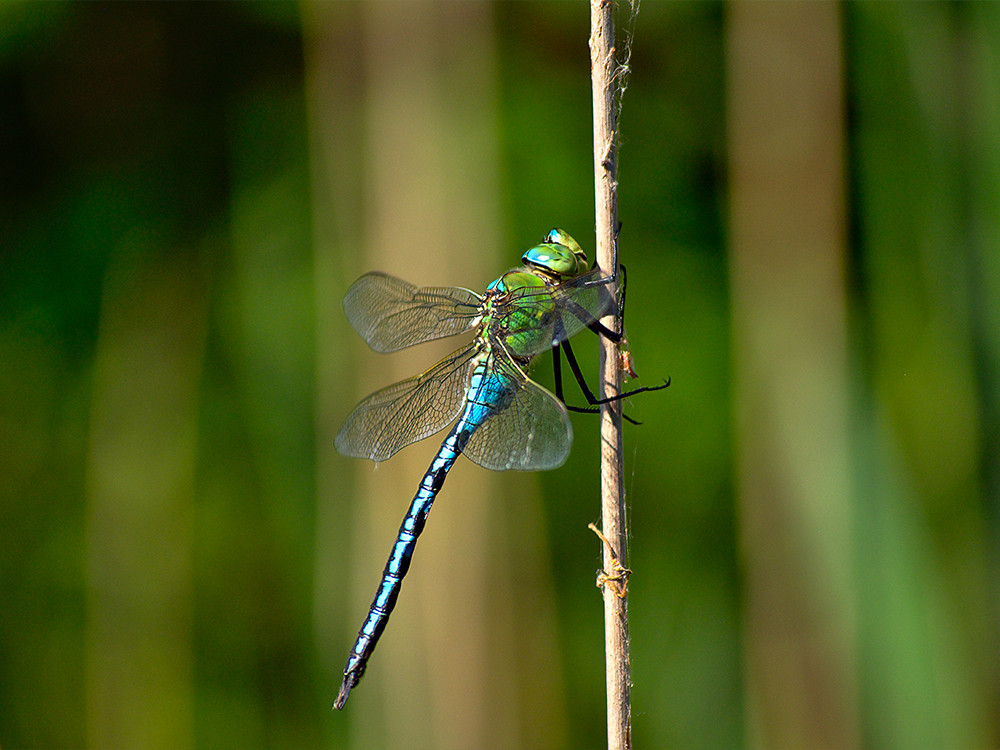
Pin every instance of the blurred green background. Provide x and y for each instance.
(810, 198)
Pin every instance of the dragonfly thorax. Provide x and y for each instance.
(518, 312)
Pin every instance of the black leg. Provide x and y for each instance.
(613, 336)
(599, 328)
(588, 394)
(557, 376)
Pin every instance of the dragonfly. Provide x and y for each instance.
(502, 418)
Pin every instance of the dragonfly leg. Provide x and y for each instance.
(602, 330)
(587, 392)
(557, 375)
(614, 337)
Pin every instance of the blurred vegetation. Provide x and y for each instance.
(187, 190)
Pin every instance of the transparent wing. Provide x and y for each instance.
(584, 299)
(392, 314)
(408, 411)
(529, 430)
(536, 319)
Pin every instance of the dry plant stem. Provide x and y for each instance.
(602, 64)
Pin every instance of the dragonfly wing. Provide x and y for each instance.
(530, 432)
(583, 300)
(392, 314)
(408, 411)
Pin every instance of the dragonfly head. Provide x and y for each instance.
(559, 255)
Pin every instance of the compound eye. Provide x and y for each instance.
(559, 255)
(551, 258)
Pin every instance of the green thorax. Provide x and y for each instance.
(519, 311)
(519, 308)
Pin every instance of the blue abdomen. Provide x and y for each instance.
(488, 394)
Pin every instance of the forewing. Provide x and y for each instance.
(531, 433)
(584, 299)
(392, 314)
(408, 411)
